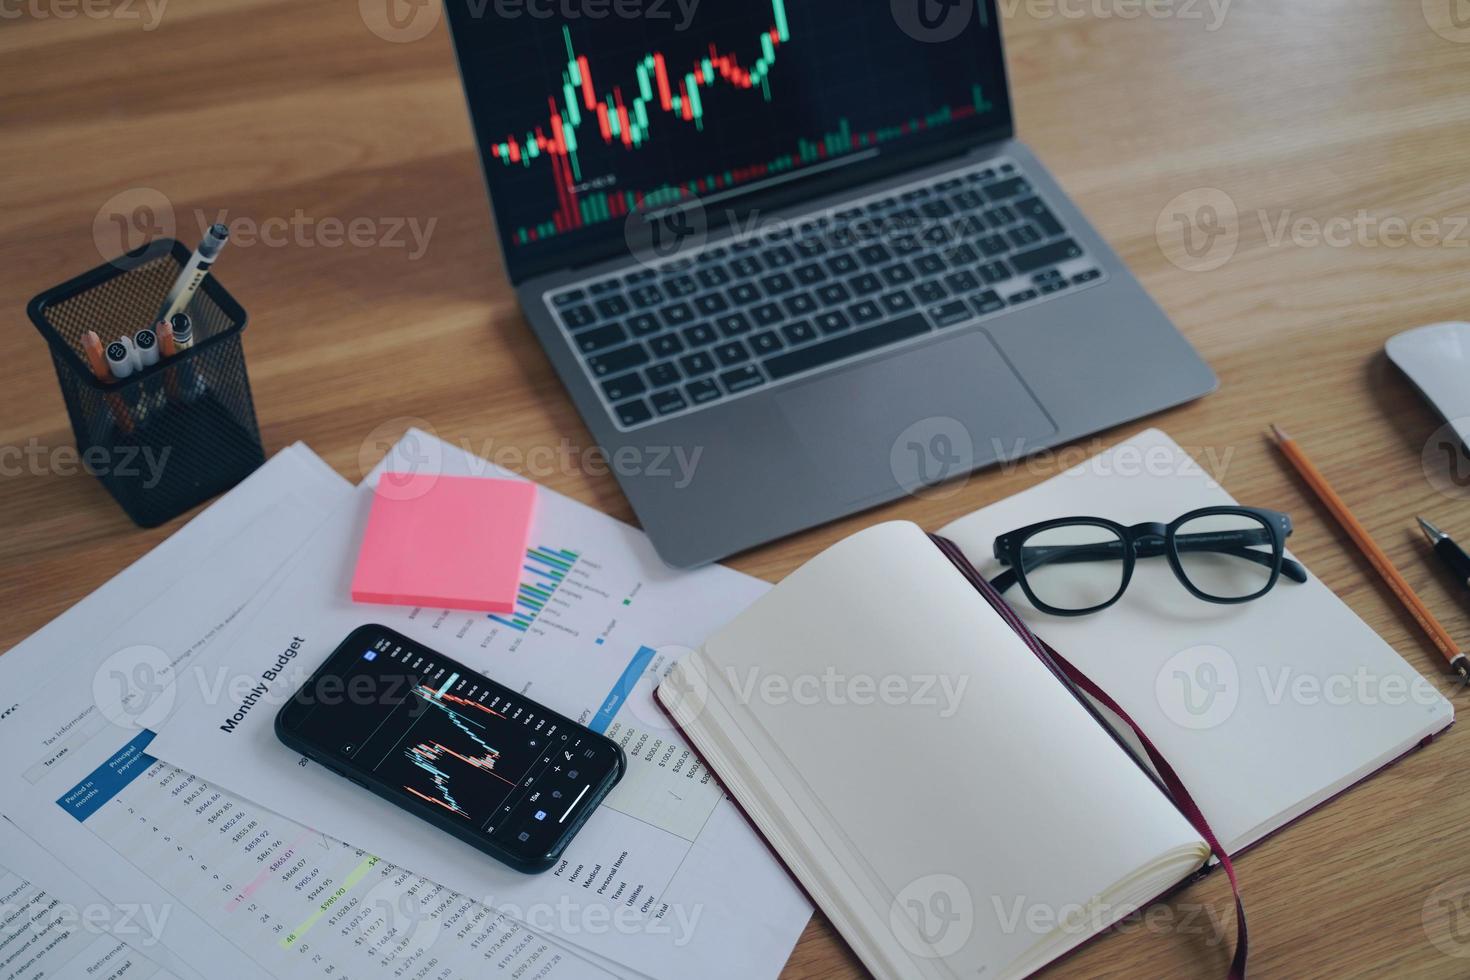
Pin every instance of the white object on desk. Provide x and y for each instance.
(1437, 359)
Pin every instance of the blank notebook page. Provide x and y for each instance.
(1265, 709)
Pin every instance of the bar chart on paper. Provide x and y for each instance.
(545, 571)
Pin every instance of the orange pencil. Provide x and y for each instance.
(167, 349)
(1376, 556)
(92, 346)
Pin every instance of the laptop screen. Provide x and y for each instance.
(592, 115)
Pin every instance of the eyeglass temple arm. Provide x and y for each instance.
(1237, 544)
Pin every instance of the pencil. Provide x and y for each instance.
(1376, 556)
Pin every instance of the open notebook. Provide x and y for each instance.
(952, 806)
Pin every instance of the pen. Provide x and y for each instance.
(1376, 556)
(1450, 553)
(194, 271)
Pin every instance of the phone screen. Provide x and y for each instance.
(451, 745)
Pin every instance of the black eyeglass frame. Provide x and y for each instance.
(1150, 541)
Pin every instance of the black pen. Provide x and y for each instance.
(1450, 553)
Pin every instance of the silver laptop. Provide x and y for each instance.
(788, 258)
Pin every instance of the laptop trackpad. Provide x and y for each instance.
(905, 422)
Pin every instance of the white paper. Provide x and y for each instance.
(44, 933)
(232, 886)
(666, 877)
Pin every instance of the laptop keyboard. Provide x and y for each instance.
(783, 303)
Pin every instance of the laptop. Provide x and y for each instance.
(788, 258)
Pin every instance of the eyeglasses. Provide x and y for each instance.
(1079, 565)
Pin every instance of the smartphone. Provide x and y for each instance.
(449, 745)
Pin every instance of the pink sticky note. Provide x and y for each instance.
(453, 542)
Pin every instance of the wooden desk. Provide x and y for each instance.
(1307, 110)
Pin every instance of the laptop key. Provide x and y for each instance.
(568, 298)
(711, 303)
(1054, 286)
(601, 338)
(765, 343)
(833, 321)
(744, 293)
(1025, 235)
(961, 256)
(987, 302)
(605, 286)
(578, 317)
(702, 391)
(777, 283)
(1024, 296)
(700, 335)
(963, 281)
(712, 276)
(669, 400)
(833, 293)
(612, 306)
(711, 254)
(948, 314)
(663, 375)
(930, 292)
(681, 286)
(1000, 217)
(799, 304)
(779, 257)
(993, 245)
(809, 274)
(646, 296)
(742, 379)
(1012, 187)
(666, 346)
(643, 324)
(1033, 208)
(898, 275)
(1039, 258)
(811, 247)
(874, 254)
(697, 363)
(732, 353)
(994, 272)
(929, 265)
(842, 264)
(799, 332)
(767, 314)
(625, 386)
(677, 314)
(899, 302)
(846, 345)
(866, 284)
(865, 311)
(733, 325)
(620, 360)
(1087, 276)
(634, 412)
(746, 266)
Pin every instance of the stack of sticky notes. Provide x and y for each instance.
(452, 542)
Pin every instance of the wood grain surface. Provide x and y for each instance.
(1330, 135)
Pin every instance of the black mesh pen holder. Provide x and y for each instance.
(174, 433)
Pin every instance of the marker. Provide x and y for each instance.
(194, 271)
(145, 342)
(134, 358)
(182, 330)
(97, 360)
(120, 359)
